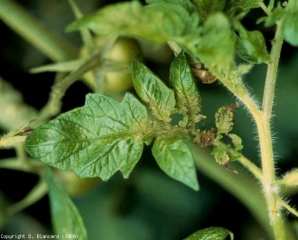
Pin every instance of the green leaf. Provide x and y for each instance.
(191, 20)
(290, 23)
(212, 233)
(216, 45)
(98, 139)
(207, 7)
(290, 28)
(251, 46)
(175, 159)
(186, 4)
(292, 5)
(187, 96)
(151, 23)
(159, 98)
(248, 4)
(276, 15)
(237, 7)
(65, 216)
(224, 118)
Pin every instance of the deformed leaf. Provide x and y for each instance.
(221, 154)
(234, 156)
(251, 47)
(224, 118)
(224, 153)
(65, 216)
(159, 98)
(151, 23)
(206, 138)
(98, 139)
(181, 80)
(211, 233)
(237, 141)
(175, 159)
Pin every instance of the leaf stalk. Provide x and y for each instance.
(39, 36)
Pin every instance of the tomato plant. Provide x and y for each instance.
(140, 116)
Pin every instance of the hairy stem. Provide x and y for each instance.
(262, 119)
(39, 36)
(265, 138)
(256, 171)
(288, 207)
(238, 185)
(272, 73)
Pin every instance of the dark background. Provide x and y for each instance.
(149, 205)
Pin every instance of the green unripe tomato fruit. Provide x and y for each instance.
(121, 54)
